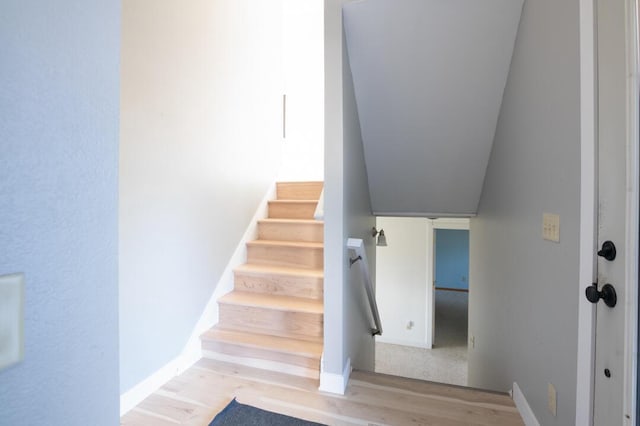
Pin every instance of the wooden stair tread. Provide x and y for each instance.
(292, 244)
(442, 390)
(274, 316)
(293, 202)
(268, 301)
(260, 269)
(292, 209)
(297, 228)
(263, 341)
(299, 190)
(292, 221)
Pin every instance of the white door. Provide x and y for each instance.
(611, 371)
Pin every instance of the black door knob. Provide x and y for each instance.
(608, 294)
(608, 250)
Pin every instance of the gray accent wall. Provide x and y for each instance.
(359, 343)
(523, 300)
(59, 85)
(429, 77)
(347, 209)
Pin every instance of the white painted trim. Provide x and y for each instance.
(423, 214)
(142, 390)
(401, 342)
(631, 244)
(333, 382)
(192, 351)
(523, 407)
(430, 302)
(451, 223)
(586, 311)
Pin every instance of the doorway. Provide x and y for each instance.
(422, 293)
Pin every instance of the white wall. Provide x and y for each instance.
(201, 121)
(402, 280)
(59, 83)
(523, 290)
(303, 66)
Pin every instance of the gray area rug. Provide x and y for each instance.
(242, 414)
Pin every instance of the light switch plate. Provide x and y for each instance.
(11, 319)
(551, 227)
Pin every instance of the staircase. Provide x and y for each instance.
(273, 318)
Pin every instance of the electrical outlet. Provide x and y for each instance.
(11, 319)
(553, 399)
(551, 227)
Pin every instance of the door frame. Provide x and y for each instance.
(588, 214)
(432, 226)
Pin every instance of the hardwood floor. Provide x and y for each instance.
(197, 395)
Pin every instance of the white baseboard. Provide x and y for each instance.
(400, 342)
(192, 351)
(139, 392)
(523, 407)
(335, 383)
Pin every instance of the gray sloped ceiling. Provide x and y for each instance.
(429, 77)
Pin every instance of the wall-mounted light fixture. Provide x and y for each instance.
(382, 239)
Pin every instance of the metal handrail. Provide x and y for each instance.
(357, 246)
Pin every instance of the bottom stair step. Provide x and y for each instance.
(303, 356)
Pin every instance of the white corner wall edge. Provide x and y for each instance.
(586, 311)
(333, 382)
(192, 351)
(523, 406)
(319, 213)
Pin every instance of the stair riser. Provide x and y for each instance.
(312, 363)
(307, 232)
(277, 367)
(299, 190)
(297, 325)
(292, 210)
(280, 285)
(293, 257)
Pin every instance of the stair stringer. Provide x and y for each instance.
(210, 315)
(192, 351)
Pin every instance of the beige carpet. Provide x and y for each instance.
(447, 361)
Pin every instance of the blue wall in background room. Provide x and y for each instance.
(452, 258)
